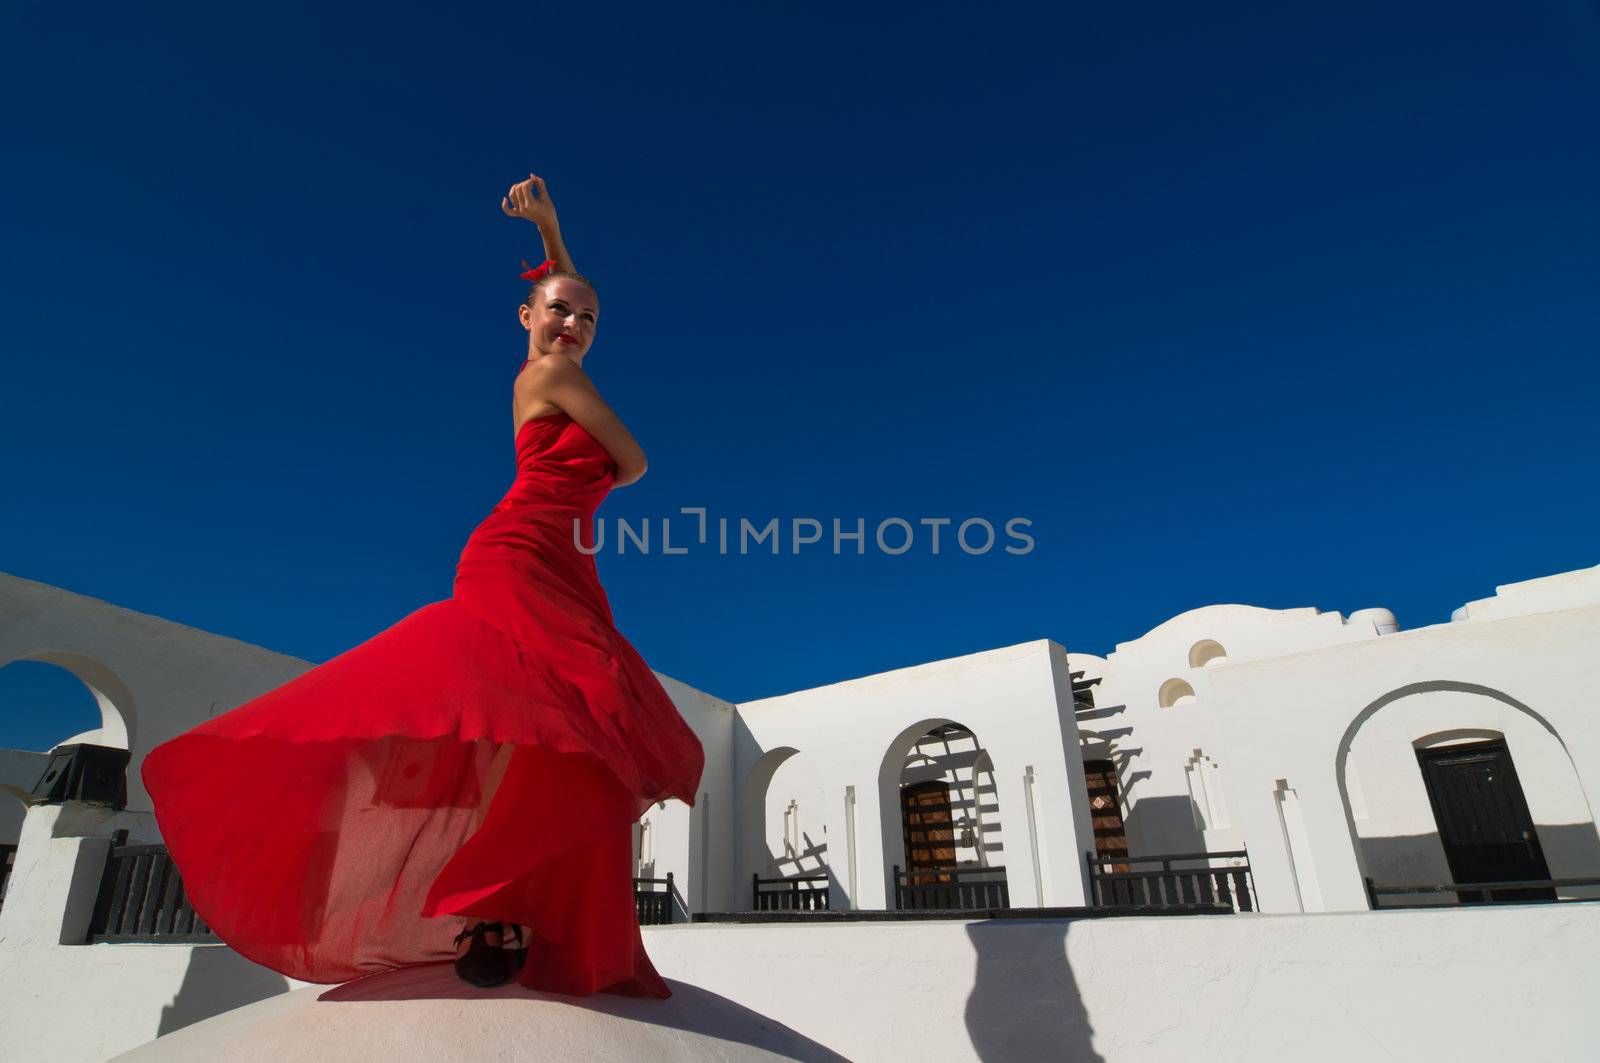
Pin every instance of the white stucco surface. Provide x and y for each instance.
(1508, 982)
(425, 1013)
(20, 771)
(686, 840)
(856, 736)
(1288, 721)
(1470, 984)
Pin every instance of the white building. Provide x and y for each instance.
(1293, 757)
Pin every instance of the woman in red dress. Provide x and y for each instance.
(484, 758)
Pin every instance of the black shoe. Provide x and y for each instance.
(483, 964)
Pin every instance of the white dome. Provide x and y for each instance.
(425, 1012)
(1381, 619)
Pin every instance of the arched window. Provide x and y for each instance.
(1175, 692)
(1206, 651)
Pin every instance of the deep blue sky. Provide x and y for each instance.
(1234, 303)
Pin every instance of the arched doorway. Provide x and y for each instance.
(1447, 782)
(784, 829)
(941, 812)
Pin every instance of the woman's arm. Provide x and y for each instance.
(561, 382)
(531, 200)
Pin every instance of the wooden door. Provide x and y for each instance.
(1483, 819)
(929, 830)
(1105, 813)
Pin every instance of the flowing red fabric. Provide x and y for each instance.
(328, 829)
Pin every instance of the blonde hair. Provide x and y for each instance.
(542, 281)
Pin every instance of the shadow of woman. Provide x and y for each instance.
(690, 1009)
(218, 980)
(1025, 1002)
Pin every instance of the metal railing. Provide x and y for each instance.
(951, 888)
(653, 906)
(1468, 893)
(1226, 888)
(141, 898)
(803, 893)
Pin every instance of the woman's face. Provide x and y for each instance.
(561, 318)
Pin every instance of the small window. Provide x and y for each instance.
(1206, 651)
(1175, 692)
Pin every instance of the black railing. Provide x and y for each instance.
(654, 906)
(1530, 891)
(951, 888)
(8, 858)
(803, 893)
(141, 899)
(1226, 888)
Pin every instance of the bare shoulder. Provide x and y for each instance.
(552, 369)
(552, 363)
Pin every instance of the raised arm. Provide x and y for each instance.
(531, 200)
(561, 382)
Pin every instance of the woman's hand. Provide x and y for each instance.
(531, 200)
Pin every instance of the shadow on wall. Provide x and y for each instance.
(1025, 1002)
(811, 860)
(217, 980)
(1572, 850)
(1163, 826)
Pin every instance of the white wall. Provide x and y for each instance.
(1389, 801)
(61, 1000)
(20, 772)
(1287, 722)
(1564, 590)
(1298, 689)
(1511, 982)
(152, 678)
(856, 736)
(797, 827)
(692, 842)
(1154, 745)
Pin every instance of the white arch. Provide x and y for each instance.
(110, 694)
(761, 824)
(1397, 825)
(753, 811)
(892, 773)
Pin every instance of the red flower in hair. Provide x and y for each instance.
(538, 271)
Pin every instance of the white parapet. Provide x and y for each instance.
(1492, 983)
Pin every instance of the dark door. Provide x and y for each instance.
(929, 831)
(1105, 813)
(1483, 819)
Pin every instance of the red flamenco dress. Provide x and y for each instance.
(326, 829)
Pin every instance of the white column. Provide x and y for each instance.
(1302, 866)
(1031, 802)
(851, 886)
